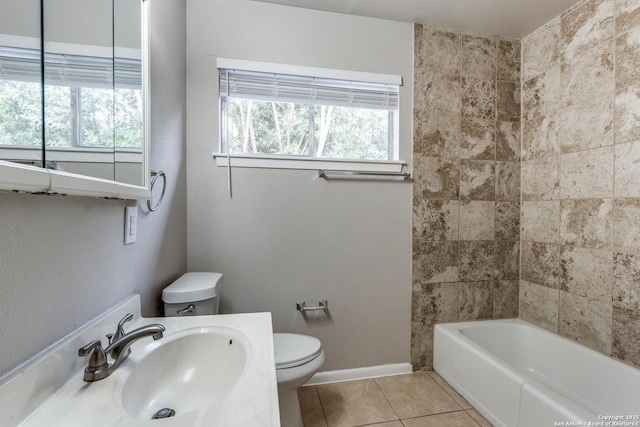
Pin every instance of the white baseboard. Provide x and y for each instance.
(359, 373)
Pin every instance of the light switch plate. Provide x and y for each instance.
(130, 224)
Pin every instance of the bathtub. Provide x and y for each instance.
(516, 374)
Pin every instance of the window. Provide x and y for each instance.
(310, 113)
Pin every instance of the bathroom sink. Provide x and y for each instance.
(184, 372)
(211, 370)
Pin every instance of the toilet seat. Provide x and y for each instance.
(291, 350)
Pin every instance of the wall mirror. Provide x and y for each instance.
(73, 97)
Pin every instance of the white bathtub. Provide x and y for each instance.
(516, 374)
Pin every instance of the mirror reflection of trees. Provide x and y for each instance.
(128, 118)
(20, 113)
(21, 116)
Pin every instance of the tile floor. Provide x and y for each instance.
(420, 399)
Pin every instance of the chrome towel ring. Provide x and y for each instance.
(154, 177)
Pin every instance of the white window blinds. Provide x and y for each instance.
(24, 64)
(20, 64)
(92, 71)
(279, 87)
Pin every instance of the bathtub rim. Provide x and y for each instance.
(451, 327)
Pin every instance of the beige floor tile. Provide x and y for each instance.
(388, 424)
(354, 403)
(416, 394)
(445, 385)
(479, 418)
(450, 419)
(311, 408)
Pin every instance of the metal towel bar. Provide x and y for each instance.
(404, 175)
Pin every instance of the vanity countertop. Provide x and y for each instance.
(49, 390)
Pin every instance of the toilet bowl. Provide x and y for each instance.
(297, 357)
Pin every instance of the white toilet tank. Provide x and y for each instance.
(193, 294)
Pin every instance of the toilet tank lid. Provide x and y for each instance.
(194, 286)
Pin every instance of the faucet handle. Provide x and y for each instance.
(98, 359)
(120, 328)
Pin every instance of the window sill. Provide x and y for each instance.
(303, 163)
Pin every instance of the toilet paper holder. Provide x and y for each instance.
(302, 306)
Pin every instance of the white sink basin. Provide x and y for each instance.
(184, 372)
(211, 370)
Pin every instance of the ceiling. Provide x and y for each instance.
(513, 18)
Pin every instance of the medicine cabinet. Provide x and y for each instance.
(74, 97)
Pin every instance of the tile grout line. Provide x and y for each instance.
(453, 397)
(466, 411)
(449, 394)
(476, 421)
(388, 401)
(324, 414)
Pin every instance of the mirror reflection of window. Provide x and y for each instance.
(78, 101)
(78, 86)
(128, 102)
(20, 82)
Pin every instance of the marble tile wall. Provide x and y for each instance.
(466, 194)
(580, 213)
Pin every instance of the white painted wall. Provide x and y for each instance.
(286, 235)
(20, 18)
(78, 22)
(62, 259)
(74, 21)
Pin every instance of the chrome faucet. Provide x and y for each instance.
(119, 349)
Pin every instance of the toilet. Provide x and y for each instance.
(297, 357)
